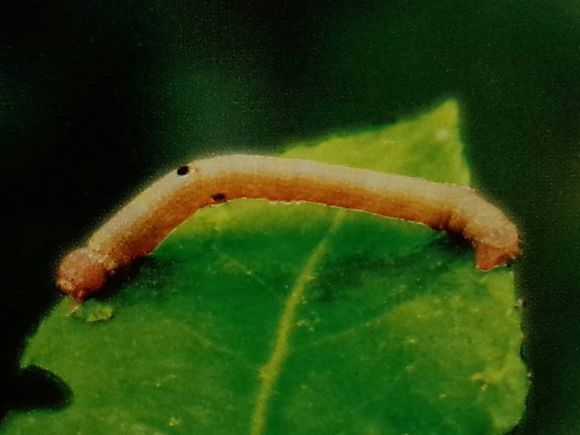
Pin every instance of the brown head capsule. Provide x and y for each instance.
(81, 273)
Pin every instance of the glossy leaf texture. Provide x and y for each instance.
(267, 318)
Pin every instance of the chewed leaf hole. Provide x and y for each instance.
(37, 388)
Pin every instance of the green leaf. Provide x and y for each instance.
(257, 317)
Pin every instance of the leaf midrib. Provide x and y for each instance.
(269, 373)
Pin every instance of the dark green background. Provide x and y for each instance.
(97, 97)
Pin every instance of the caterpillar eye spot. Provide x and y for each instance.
(219, 197)
(183, 170)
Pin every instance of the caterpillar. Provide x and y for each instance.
(144, 222)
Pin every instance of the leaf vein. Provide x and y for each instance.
(270, 372)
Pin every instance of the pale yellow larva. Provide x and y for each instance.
(143, 223)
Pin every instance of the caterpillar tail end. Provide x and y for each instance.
(489, 257)
(80, 274)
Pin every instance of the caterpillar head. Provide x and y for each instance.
(80, 273)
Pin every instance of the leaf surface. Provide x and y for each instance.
(257, 317)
